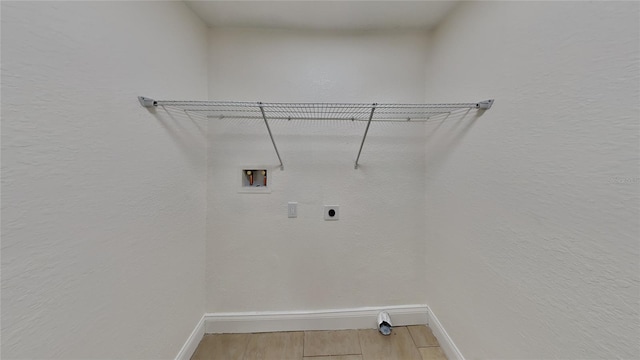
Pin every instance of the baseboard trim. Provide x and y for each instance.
(446, 343)
(192, 342)
(334, 319)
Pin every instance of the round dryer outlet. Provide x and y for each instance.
(331, 212)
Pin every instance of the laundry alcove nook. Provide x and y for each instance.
(509, 228)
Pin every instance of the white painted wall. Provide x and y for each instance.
(533, 208)
(260, 260)
(103, 207)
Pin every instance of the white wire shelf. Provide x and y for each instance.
(318, 111)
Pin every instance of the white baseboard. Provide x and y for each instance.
(446, 343)
(193, 340)
(336, 319)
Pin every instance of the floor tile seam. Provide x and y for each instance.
(412, 338)
(304, 343)
(333, 355)
(339, 355)
(246, 346)
(357, 331)
(360, 343)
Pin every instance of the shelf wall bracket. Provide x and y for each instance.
(146, 102)
(484, 105)
(271, 135)
(364, 137)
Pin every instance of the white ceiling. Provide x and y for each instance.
(323, 15)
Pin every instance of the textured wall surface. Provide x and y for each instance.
(257, 258)
(103, 206)
(533, 208)
(525, 243)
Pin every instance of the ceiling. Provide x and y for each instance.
(323, 15)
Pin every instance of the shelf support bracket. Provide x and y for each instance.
(364, 137)
(484, 105)
(270, 135)
(146, 102)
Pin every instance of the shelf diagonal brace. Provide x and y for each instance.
(270, 134)
(364, 137)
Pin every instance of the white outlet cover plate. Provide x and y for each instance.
(292, 207)
(335, 208)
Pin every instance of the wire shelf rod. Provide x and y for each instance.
(310, 107)
(364, 137)
(405, 119)
(271, 136)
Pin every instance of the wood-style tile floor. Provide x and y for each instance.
(404, 343)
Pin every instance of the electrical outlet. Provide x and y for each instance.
(293, 209)
(331, 212)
